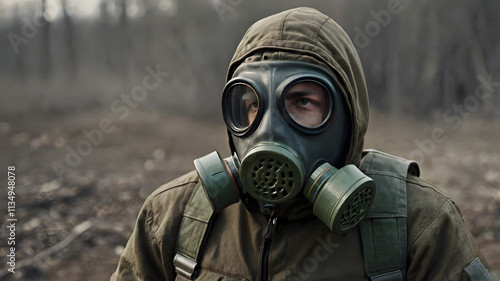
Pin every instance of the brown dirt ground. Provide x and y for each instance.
(149, 148)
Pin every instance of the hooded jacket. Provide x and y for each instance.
(440, 247)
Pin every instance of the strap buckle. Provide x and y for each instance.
(396, 275)
(184, 266)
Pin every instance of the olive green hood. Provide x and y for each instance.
(305, 34)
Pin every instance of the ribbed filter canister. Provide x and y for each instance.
(340, 198)
(272, 173)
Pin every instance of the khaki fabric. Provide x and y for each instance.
(439, 243)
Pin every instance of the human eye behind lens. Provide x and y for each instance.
(306, 103)
(251, 101)
(251, 106)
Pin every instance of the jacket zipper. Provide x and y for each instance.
(266, 248)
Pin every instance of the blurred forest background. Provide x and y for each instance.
(65, 65)
(425, 57)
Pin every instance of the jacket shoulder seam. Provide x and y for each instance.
(387, 174)
(164, 188)
(427, 185)
(417, 237)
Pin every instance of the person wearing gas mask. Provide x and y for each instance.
(299, 199)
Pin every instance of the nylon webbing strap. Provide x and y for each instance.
(192, 232)
(384, 248)
(396, 275)
(383, 231)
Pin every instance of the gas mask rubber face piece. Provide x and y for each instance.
(289, 124)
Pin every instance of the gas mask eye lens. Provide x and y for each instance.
(308, 104)
(242, 104)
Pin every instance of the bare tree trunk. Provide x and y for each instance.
(104, 34)
(20, 67)
(69, 40)
(45, 59)
(124, 46)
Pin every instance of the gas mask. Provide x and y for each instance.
(288, 123)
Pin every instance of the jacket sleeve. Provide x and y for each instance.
(150, 250)
(140, 260)
(444, 248)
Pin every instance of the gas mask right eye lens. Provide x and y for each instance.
(308, 104)
(242, 106)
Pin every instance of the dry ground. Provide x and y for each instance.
(75, 226)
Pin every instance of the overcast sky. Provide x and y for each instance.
(76, 8)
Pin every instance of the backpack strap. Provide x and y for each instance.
(383, 231)
(192, 234)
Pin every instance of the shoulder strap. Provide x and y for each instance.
(192, 233)
(383, 231)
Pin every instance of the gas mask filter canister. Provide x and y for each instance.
(287, 137)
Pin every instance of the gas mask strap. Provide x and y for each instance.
(196, 220)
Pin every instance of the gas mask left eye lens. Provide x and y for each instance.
(242, 104)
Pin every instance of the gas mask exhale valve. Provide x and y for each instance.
(340, 198)
(272, 173)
